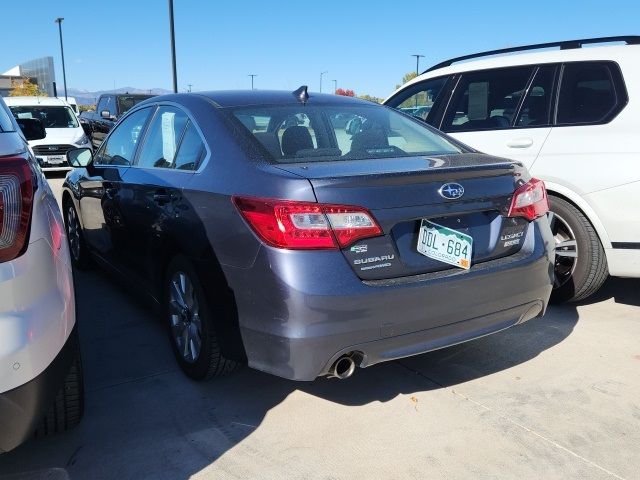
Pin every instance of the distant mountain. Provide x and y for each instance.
(86, 97)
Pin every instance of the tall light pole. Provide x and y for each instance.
(335, 85)
(173, 48)
(64, 73)
(321, 74)
(252, 75)
(418, 57)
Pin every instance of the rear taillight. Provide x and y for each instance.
(530, 200)
(306, 225)
(16, 199)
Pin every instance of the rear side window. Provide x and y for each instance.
(486, 100)
(162, 139)
(419, 99)
(191, 150)
(590, 92)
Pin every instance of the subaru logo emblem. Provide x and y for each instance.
(451, 191)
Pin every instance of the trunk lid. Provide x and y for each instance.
(401, 192)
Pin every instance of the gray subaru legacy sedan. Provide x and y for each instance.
(308, 234)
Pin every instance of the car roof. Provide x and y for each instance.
(604, 53)
(31, 101)
(242, 98)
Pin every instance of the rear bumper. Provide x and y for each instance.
(23, 408)
(299, 311)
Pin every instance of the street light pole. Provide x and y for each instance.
(252, 75)
(321, 74)
(173, 48)
(418, 57)
(64, 73)
(335, 85)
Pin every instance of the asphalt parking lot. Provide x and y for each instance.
(557, 397)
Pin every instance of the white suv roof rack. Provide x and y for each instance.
(565, 45)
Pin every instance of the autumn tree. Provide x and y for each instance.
(24, 88)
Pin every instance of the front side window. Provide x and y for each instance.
(418, 99)
(486, 100)
(163, 138)
(305, 133)
(102, 105)
(587, 93)
(120, 146)
(50, 116)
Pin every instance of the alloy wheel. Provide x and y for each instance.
(566, 249)
(184, 315)
(73, 232)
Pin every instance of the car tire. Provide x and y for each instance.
(581, 264)
(68, 407)
(191, 323)
(80, 256)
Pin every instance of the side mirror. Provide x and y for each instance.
(79, 157)
(32, 128)
(106, 114)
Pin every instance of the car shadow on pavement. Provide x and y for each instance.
(622, 290)
(145, 419)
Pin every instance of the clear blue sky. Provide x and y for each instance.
(365, 45)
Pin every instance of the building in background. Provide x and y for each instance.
(40, 71)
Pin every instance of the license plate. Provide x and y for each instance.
(445, 244)
(54, 159)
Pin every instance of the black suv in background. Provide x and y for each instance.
(110, 108)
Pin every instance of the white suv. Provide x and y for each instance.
(571, 115)
(41, 387)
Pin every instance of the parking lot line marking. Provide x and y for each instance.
(517, 424)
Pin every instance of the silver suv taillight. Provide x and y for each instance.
(16, 200)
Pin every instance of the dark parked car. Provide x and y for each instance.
(302, 249)
(109, 109)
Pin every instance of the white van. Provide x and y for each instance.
(72, 103)
(570, 115)
(63, 128)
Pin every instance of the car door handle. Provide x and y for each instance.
(520, 143)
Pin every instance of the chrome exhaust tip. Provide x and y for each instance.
(342, 368)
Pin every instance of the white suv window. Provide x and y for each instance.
(587, 93)
(536, 108)
(486, 99)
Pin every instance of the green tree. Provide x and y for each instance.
(406, 78)
(86, 108)
(371, 98)
(24, 88)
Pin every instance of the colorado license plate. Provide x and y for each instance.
(445, 244)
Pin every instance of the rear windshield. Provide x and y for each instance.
(303, 133)
(126, 102)
(51, 116)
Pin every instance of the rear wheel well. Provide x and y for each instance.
(214, 283)
(552, 193)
